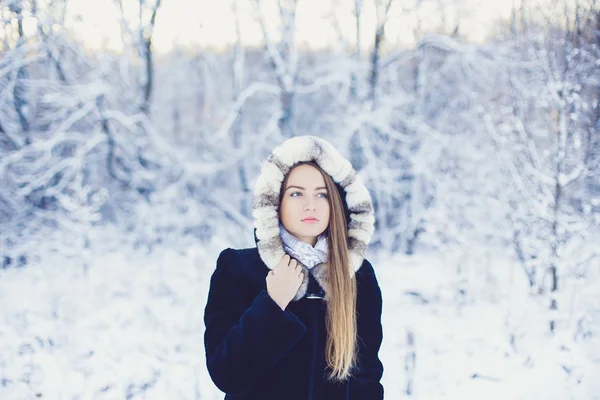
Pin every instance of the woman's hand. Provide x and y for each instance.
(283, 282)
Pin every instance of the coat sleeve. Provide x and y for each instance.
(243, 339)
(365, 383)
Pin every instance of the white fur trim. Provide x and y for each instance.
(268, 184)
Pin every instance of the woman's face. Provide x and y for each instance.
(304, 208)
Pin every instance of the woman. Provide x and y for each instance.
(299, 315)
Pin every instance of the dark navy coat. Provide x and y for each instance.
(255, 350)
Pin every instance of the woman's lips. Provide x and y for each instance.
(310, 221)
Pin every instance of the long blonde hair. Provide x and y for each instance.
(340, 350)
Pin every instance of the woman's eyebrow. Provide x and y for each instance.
(301, 188)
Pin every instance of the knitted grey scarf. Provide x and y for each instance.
(303, 252)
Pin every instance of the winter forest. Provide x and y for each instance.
(131, 133)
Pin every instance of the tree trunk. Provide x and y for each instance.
(19, 101)
(285, 121)
(379, 36)
(555, 240)
(238, 86)
(146, 38)
(353, 80)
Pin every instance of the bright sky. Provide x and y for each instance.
(212, 23)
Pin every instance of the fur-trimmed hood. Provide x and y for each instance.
(266, 202)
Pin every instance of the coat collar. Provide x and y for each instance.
(361, 222)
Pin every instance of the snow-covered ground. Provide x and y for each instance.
(125, 324)
(462, 342)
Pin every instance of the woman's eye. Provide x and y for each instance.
(323, 195)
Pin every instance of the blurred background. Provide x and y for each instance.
(132, 131)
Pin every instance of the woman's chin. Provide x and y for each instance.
(313, 231)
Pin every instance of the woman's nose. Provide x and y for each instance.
(310, 204)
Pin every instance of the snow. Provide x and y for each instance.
(461, 145)
(464, 351)
(130, 326)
